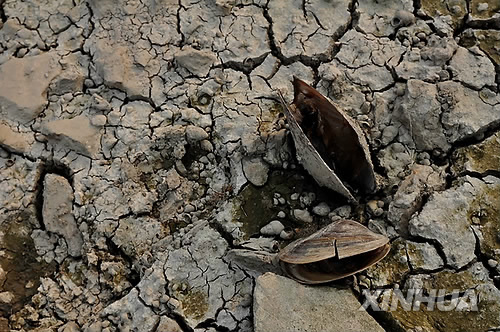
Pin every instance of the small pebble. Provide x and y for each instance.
(322, 209)
(307, 198)
(400, 89)
(273, 228)
(287, 234)
(482, 7)
(492, 263)
(189, 208)
(294, 196)
(22, 52)
(334, 218)
(281, 200)
(281, 214)
(365, 108)
(422, 35)
(372, 206)
(302, 215)
(343, 211)
(206, 145)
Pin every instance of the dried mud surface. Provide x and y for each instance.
(143, 148)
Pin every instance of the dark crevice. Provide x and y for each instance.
(436, 245)
(139, 98)
(3, 17)
(133, 277)
(179, 30)
(489, 24)
(246, 66)
(211, 324)
(48, 167)
(223, 233)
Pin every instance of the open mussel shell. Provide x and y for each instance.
(329, 144)
(338, 250)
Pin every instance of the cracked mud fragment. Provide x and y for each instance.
(24, 83)
(57, 212)
(449, 217)
(310, 28)
(142, 150)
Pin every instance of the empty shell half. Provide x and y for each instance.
(338, 250)
(329, 144)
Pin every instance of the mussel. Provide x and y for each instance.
(338, 250)
(329, 144)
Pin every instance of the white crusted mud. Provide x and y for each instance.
(148, 175)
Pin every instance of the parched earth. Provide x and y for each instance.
(143, 148)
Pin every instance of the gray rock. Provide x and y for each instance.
(343, 211)
(402, 18)
(195, 134)
(255, 170)
(452, 230)
(273, 228)
(389, 134)
(474, 70)
(302, 215)
(322, 209)
(57, 212)
(287, 234)
(276, 307)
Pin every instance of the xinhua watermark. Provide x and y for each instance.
(417, 300)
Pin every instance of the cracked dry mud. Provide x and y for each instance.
(143, 148)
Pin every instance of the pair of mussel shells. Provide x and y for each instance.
(332, 148)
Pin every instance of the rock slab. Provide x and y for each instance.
(281, 304)
(57, 212)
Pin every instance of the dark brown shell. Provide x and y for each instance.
(336, 251)
(330, 145)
